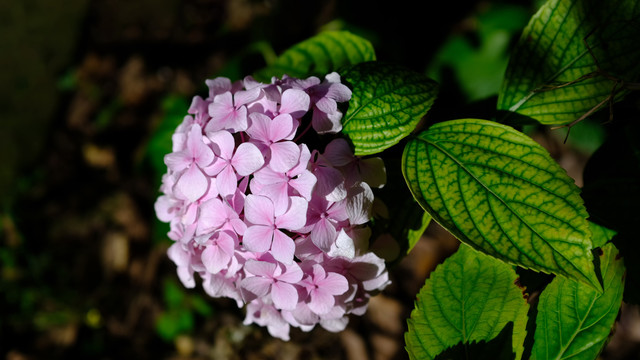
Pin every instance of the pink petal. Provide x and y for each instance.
(324, 234)
(201, 153)
(358, 204)
(218, 86)
(247, 159)
(292, 274)
(303, 162)
(244, 97)
(260, 268)
(214, 259)
(212, 216)
(326, 123)
(330, 182)
(223, 143)
(343, 246)
(321, 301)
(258, 238)
(258, 210)
(186, 277)
(296, 217)
(337, 91)
(338, 153)
(279, 194)
(294, 102)
(334, 284)
(284, 156)
(165, 207)
(304, 184)
(282, 247)
(193, 183)
(282, 127)
(284, 296)
(178, 255)
(266, 176)
(327, 105)
(260, 125)
(238, 226)
(227, 181)
(177, 161)
(256, 285)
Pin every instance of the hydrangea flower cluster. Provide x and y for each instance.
(263, 219)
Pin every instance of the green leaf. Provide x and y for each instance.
(320, 55)
(574, 320)
(174, 295)
(469, 298)
(387, 103)
(174, 322)
(600, 235)
(499, 191)
(554, 77)
(413, 235)
(611, 193)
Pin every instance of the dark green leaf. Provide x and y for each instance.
(470, 298)
(320, 55)
(574, 320)
(502, 193)
(387, 103)
(612, 195)
(554, 76)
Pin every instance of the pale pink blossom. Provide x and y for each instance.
(264, 220)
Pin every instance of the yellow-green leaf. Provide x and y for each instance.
(387, 103)
(499, 191)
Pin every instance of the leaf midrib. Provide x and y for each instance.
(444, 151)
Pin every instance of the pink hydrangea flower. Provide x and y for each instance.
(276, 225)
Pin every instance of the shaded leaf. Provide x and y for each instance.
(502, 193)
(574, 320)
(320, 55)
(554, 77)
(387, 103)
(498, 348)
(469, 298)
(612, 195)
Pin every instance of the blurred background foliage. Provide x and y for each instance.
(90, 93)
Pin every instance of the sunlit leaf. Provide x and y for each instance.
(471, 297)
(387, 103)
(574, 320)
(499, 191)
(554, 77)
(319, 55)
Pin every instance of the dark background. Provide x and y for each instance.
(85, 86)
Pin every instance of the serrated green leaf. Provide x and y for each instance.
(600, 235)
(553, 75)
(574, 320)
(469, 298)
(387, 103)
(502, 193)
(413, 235)
(320, 55)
